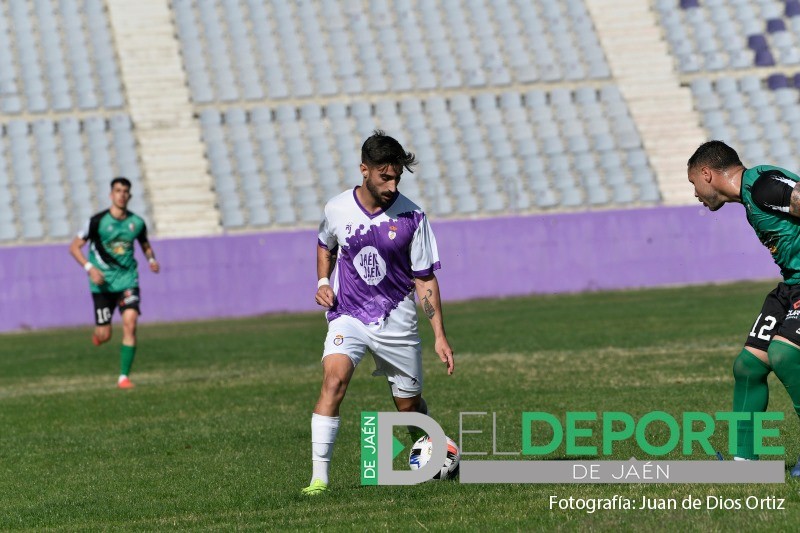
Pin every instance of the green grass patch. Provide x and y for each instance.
(217, 433)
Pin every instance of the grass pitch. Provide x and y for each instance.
(216, 434)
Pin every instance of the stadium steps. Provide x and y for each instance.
(183, 202)
(632, 40)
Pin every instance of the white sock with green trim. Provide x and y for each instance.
(323, 435)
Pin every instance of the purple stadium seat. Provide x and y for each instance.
(796, 80)
(764, 58)
(775, 25)
(777, 81)
(757, 42)
(689, 4)
(792, 8)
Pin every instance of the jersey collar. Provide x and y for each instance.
(379, 211)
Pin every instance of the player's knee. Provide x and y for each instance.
(776, 361)
(748, 367)
(103, 334)
(740, 369)
(129, 330)
(129, 320)
(334, 386)
(783, 358)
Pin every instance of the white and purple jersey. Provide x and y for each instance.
(379, 255)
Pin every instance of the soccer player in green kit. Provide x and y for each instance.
(771, 197)
(111, 266)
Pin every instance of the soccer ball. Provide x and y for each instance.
(421, 454)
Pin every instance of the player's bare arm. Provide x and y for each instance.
(76, 251)
(325, 262)
(430, 299)
(151, 256)
(427, 306)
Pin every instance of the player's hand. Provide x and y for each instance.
(96, 276)
(325, 296)
(154, 266)
(445, 353)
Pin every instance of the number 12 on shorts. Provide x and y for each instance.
(763, 333)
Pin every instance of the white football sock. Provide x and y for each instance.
(323, 435)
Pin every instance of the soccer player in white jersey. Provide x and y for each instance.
(384, 251)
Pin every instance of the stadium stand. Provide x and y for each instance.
(475, 104)
(241, 115)
(503, 121)
(65, 131)
(488, 152)
(54, 194)
(742, 72)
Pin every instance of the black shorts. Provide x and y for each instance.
(780, 315)
(105, 302)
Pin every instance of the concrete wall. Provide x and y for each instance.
(42, 286)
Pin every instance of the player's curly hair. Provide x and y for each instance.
(716, 155)
(380, 150)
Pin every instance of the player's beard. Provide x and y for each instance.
(382, 200)
(714, 202)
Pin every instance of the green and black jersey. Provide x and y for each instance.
(111, 249)
(766, 192)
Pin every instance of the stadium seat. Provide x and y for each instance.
(338, 80)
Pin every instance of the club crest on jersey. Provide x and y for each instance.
(392, 232)
(119, 247)
(338, 340)
(132, 226)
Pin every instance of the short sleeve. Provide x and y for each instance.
(84, 232)
(424, 253)
(326, 238)
(772, 191)
(142, 237)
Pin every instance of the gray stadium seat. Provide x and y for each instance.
(649, 193)
(622, 194)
